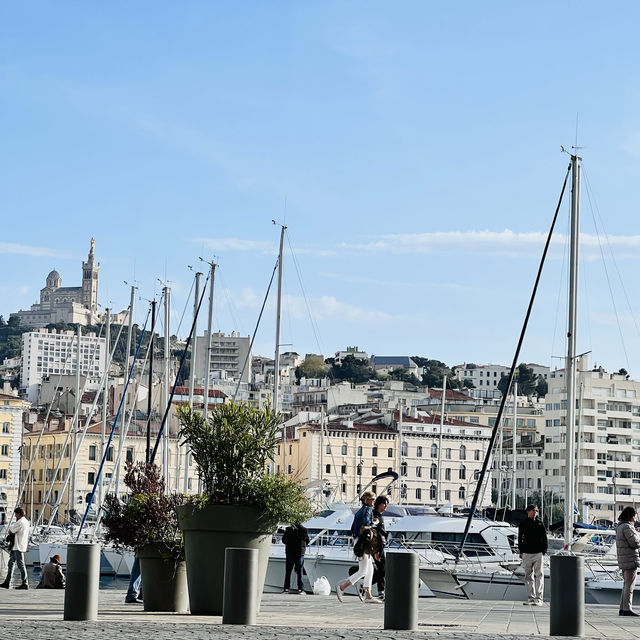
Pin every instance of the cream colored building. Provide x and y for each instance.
(11, 410)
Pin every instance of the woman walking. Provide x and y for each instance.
(363, 522)
(627, 545)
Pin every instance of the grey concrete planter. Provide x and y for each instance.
(164, 580)
(207, 533)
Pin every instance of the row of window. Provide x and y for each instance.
(404, 469)
(477, 453)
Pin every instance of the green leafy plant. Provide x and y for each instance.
(232, 450)
(148, 516)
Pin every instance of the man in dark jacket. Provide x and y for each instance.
(295, 540)
(532, 542)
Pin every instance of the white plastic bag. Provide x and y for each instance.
(321, 587)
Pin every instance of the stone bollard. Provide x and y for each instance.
(83, 582)
(240, 598)
(401, 591)
(567, 596)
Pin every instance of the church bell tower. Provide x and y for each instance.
(90, 271)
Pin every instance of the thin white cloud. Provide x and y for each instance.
(505, 242)
(30, 250)
(261, 246)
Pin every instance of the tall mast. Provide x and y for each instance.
(76, 416)
(192, 371)
(438, 481)
(570, 443)
(150, 395)
(126, 373)
(167, 357)
(105, 399)
(276, 363)
(207, 359)
(513, 445)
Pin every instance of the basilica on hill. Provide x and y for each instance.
(66, 304)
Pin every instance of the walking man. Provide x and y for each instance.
(532, 542)
(20, 530)
(379, 507)
(295, 541)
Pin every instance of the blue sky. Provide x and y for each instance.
(412, 149)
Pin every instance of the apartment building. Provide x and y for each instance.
(608, 441)
(230, 356)
(11, 409)
(51, 353)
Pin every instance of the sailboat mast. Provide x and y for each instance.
(571, 353)
(276, 363)
(167, 357)
(76, 415)
(192, 372)
(207, 358)
(439, 473)
(150, 396)
(513, 445)
(105, 400)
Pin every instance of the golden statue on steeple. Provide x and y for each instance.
(93, 244)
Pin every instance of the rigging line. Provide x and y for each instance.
(230, 304)
(57, 502)
(512, 372)
(113, 428)
(255, 331)
(175, 383)
(46, 419)
(613, 259)
(193, 282)
(606, 271)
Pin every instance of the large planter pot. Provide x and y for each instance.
(207, 533)
(164, 579)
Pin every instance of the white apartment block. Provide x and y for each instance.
(486, 377)
(228, 356)
(608, 436)
(51, 353)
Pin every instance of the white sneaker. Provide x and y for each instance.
(339, 592)
(537, 603)
(361, 594)
(373, 600)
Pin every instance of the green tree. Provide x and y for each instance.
(354, 370)
(526, 379)
(312, 366)
(542, 387)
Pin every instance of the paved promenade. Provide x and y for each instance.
(38, 614)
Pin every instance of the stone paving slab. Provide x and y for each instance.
(38, 614)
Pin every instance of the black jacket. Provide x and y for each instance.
(295, 540)
(532, 536)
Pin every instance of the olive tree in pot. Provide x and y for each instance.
(242, 503)
(148, 523)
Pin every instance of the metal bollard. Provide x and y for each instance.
(567, 596)
(83, 582)
(401, 591)
(240, 596)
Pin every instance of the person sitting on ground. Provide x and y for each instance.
(52, 576)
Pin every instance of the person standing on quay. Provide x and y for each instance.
(295, 540)
(627, 545)
(20, 530)
(379, 507)
(532, 542)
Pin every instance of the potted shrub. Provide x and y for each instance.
(242, 503)
(148, 523)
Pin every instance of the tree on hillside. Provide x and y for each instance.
(312, 366)
(526, 379)
(434, 372)
(541, 387)
(353, 369)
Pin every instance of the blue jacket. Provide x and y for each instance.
(363, 518)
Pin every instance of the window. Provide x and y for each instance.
(328, 468)
(278, 451)
(403, 491)
(328, 449)
(390, 453)
(344, 449)
(343, 469)
(418, 472)
(3, 474)
(447, 495)
(462, 473)
(476, 454)
(447, 454)
(418, 494)
(404, 449)
(461, 493)
(447, 474)
(403, 469)
(344, 487)
(434, 450)
(290, 449)
(92, 452)
(6, 427)
(463, 452)
(433, 472)
(419, 452)
(289, 468)
(374, 451)
(359, 452)
(5, 450)
(91, 477)
(129, 454)
(110, 454)
(374, 471)
(432, 492)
